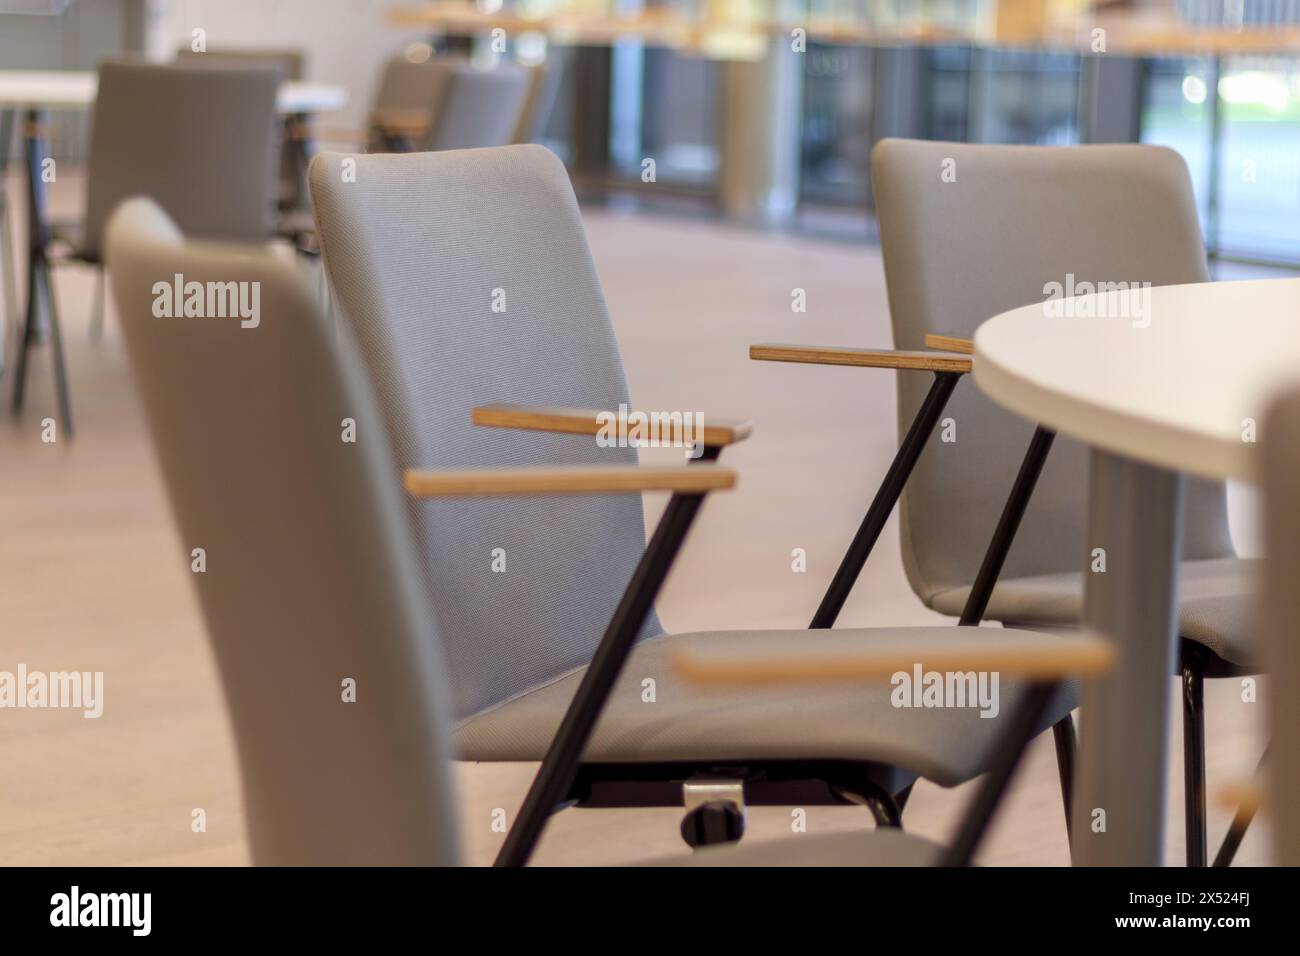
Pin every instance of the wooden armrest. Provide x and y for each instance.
(1246, 796)
(575, 480)
(949, 343)
(865, 358)
(831, 656)
(583, 421)
(337, 134)
(403, 121)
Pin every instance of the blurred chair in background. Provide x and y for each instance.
(211, 168)
(292, 65)
(441, 103)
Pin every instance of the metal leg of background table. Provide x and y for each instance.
(1135, 516)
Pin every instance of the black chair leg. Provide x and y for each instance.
(884, 809)
(1066, 742)
(26, 340)
(56, 353)
(1194, 756)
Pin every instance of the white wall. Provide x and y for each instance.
(346, 41)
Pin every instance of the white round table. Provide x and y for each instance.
(1159, 384)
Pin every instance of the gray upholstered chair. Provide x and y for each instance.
(200, 141)
(418, 248)
(315, 592)
(1280, 612)
(967, 232)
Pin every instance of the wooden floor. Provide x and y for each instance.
(93, 578)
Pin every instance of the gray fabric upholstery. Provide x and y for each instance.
(881, 847)
(202, 142)
(414, 250)
(404, 85)
(311, 571)
(1280, 617)
(481, 107)
(957, 253)
(690, 722)
(1216, 604)
(291, 64)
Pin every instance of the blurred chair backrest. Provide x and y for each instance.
(543, 89)
(6, 145)
(970, 231)
(310, 589)
(467, 278)
(410, 87)
(467, 106)
(202, 142)
(1280, 618)
(481, 106)
(292, 63)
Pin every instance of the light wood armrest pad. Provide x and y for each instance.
(865, 358)
(1246, 795)
(574, 480)
(839, 656)
(583, 421)
(401, 121)
(949, 343)
(332, 134)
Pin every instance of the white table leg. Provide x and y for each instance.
(1135, 517)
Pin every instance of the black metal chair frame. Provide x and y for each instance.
(563, 780)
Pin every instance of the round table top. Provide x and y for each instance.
(74, 89)
(1175, 376)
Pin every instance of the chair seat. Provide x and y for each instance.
(1214, 607)
(882, 847)
(688, 722)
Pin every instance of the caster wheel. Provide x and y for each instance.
(718, 821)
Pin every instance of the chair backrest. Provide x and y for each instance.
(539, 103)
(292, 63)
(310, 587)
(467, 278)
(6, 145)
(970, 231)
(202, 142)
(1280, 617)
(482, 107)
(467, 106)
